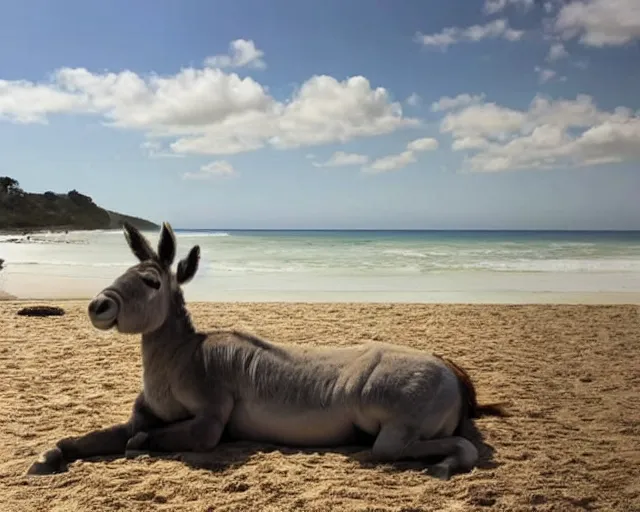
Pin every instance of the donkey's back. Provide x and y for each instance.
(372, 371)
(310, 395)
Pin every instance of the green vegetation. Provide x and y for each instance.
(20, 210)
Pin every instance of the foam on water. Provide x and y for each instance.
(337, 264)
(204, 234)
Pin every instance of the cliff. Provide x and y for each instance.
(20, 210)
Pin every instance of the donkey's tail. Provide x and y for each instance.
(468, 391)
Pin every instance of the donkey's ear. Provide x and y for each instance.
(167, 245)
(187, 267)
(137, 242)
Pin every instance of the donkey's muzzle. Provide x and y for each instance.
(103, 311)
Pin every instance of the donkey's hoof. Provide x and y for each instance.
(137, 443)
(49, 463)
(134, 454)
(441, 471)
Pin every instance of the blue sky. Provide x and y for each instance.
(497, 114)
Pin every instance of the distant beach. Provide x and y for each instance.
(345, 266)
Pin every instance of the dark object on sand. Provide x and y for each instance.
(41, 311)
(1, 263)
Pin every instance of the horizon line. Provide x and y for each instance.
(415, 230)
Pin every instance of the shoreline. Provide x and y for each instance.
(552, 299)
(52, 229)
(33, 230)
(34, 287)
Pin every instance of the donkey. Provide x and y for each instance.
(197, 385)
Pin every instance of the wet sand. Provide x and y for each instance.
(571, 374)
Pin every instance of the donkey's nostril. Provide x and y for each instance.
(103, 311)
(102, 306)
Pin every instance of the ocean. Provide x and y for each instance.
(351, 266)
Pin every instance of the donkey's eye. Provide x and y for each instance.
(151, 282)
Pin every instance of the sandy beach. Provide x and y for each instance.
(569, 372)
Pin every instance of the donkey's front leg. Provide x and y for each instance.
(200, 433)
(197, 434)
(108, 441)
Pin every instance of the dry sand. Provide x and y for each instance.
(572, 374)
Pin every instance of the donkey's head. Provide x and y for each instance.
(139, 300)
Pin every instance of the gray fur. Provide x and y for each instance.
(197, 384)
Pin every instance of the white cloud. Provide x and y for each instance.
(424, 144)
(322, 111)
(557, 51)
(242, 53)
(154, 149)
(461, 100)
(342, 159)
(469, 143)
(600, 22)
(395, 162)
(612, 141)
(495, 6)
(25, 102)
(391, 162)
(550, 133)
(218, 168)
(480, 121)
(326, 110)
(414, 100)
(209, 111)
(492, 30)
(189, 100)
(544, 74)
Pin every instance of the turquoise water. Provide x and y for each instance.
(430, 266)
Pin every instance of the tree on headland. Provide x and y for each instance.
(79, 199)
(9, 186)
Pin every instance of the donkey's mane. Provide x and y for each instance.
(271, 371)
(181, 315)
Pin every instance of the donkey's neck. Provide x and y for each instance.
(176, 333)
